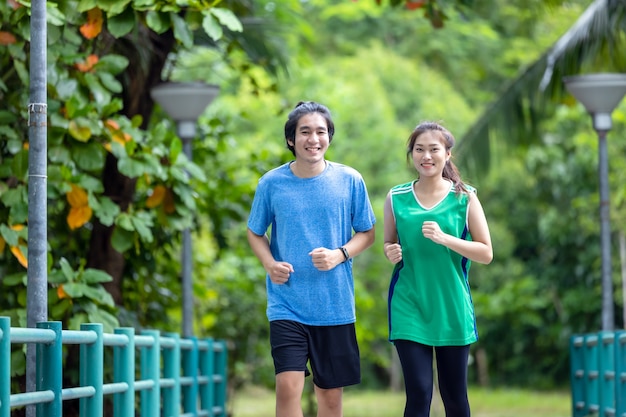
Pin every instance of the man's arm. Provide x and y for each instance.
(279, 272)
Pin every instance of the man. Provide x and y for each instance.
(320, 217)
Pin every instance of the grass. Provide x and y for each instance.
(257, 402)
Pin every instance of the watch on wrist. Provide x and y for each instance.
(346, 255)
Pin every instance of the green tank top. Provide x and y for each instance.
(429, 295)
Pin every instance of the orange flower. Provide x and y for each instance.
(89, 63)
(116, 134)
(7, 38)
(61, 292)
(93, 26)
(78, 216)
(77, 197)
(157, 196)
(17, 252)
(412, 5)
(80, 213)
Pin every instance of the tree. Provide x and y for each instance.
(594, 43)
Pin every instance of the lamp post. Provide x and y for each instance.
(184, 102)
(600, 94)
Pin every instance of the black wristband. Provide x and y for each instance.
(345, 253)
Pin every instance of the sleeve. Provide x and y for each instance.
(260, 213)
(363, 218)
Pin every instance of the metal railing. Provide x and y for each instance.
(598, 374)
(177, 377)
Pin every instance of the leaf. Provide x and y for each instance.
(89, 157)
(124, 221)
(67, 269)
(169, 205)
(212, 27)
(93, 26)
(3, 244)
(76, 320)
(80, 133)
(181, 30)
(93, 276)
(15, 279)
(113, 63)
(121, 240)
(99, 295)
(74, 289)
(58, 310)
(121, 24)
(78, 216)
(227, 18)
(158, 22)
(107, 211)
(131, 167)
(142, 225)
(109, 321)
(110, 82)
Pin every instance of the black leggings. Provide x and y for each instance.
(417, 367)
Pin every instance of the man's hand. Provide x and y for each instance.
(326, 259)
(280, 272)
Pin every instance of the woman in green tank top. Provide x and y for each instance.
(434, 227)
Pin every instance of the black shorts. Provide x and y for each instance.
(333, 352)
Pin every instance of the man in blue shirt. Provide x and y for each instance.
(320, 217)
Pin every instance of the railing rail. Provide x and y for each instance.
(177, 377)
(598, 374)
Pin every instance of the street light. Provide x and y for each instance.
(184, 102)
(600, 94)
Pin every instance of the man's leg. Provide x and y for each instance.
(289, 387)
(329, 402)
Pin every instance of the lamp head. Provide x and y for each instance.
(184, 101)
(599, 93)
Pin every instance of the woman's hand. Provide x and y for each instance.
(393, 252)
(432, 231)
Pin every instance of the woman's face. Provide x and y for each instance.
(430, 154)
(312, 140)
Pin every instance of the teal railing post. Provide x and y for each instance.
(578, 375)
(49, 370)
(171, 370)
(150, 370)
(124, 371)
(207, 368)
(221, 369)
(606, 364)
(591, 378)
(620, 373)
(190, 369)
(5, 366)
(92, 371)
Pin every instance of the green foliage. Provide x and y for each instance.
(87, 132)
(381, 70)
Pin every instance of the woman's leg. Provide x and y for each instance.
(452, 377)
(417, 368)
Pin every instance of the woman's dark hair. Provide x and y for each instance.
(450, 171)
(302, 109)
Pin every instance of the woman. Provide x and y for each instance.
(434, 227)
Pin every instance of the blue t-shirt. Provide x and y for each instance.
(304, 214)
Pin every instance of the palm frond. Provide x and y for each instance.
(594, 42)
